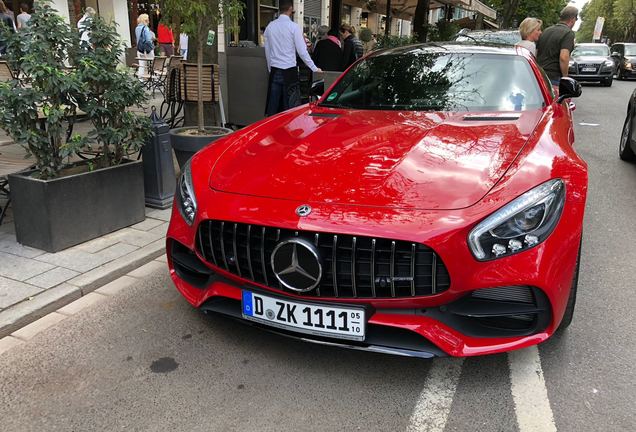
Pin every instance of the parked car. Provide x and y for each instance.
(591, 62)
(627, 148)
(500, 37)
(624, 56)
(430, 203)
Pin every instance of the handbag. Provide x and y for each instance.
(144, 44)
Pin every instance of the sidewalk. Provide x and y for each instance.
(34, 283)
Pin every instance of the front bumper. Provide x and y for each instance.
(603, 75)
(424, 326)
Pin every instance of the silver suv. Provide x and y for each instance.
(592, 62)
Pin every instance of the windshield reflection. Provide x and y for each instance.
(421, 80)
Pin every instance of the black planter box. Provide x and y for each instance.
(55, 214)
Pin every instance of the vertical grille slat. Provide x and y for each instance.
(234, 249)
(214, 261)
(373, 294)
(263, 265)
(223, 246)
(413, 270)
(392, 271)
(352, 266)
(434, 274)
(317, 244)
(334, 264)
(249, 251)
(200, 235)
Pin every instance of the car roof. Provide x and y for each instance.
(450, 47)
(591, 44)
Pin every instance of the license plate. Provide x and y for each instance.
(316, 319)
(588, 69)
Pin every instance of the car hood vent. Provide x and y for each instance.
(389, 159)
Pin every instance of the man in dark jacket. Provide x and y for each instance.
(352, 49)
(555, 45)
(328, 52)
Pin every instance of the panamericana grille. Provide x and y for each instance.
(353, 266)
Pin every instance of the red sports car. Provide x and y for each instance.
(430, 203)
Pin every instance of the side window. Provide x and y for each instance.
(548, 83)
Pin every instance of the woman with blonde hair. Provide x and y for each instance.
(145, 42)
(530, 29)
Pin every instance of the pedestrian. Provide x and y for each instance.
(283, 39)
(183, 45)
(5, 21)
(321, 33)
(145, 43)
(165, 38)
(352, 46)
(530, 29)
(555, 45)
(24, 17)
(328, 52)
(83, 26)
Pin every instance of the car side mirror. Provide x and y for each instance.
(317, 88)
(568, 88)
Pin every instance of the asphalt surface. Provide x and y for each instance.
(145, 360)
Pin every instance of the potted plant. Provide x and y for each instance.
(199, 19)
(60, 203)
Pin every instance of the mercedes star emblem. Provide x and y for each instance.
(296, 264)
(303, 210)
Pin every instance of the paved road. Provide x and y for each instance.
(144, 360)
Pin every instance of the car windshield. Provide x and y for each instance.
(630, 50)
(418, 80)
(501, 37)
(587, 50)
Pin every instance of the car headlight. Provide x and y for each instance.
(187, 200)
(628, 65)
(608, 63)
(571, 63)
(519, 225)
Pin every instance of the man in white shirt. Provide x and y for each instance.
(83, 25)
(283, 39)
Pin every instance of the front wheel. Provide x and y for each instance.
(625, 151)
(607, 82)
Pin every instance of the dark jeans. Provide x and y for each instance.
(284, 91)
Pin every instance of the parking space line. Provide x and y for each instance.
(529, 392)
(434, 403)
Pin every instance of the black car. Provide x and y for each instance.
(627, 148)
(591, 62)
(624, 56)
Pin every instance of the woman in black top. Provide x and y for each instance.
(352, 47)
(328, 52)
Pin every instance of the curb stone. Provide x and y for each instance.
(28, 311)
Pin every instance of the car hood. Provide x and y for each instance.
(373, 158)
(590, 59)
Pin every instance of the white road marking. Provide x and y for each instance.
(434, 404)
(529, 392)
(589, 124)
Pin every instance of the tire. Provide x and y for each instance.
(569, 309)
(620, 74)
(625, 151)
(608, 82)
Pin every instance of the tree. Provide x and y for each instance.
(514, 11)
(420, 20)
(200, 20)
(620, 20)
